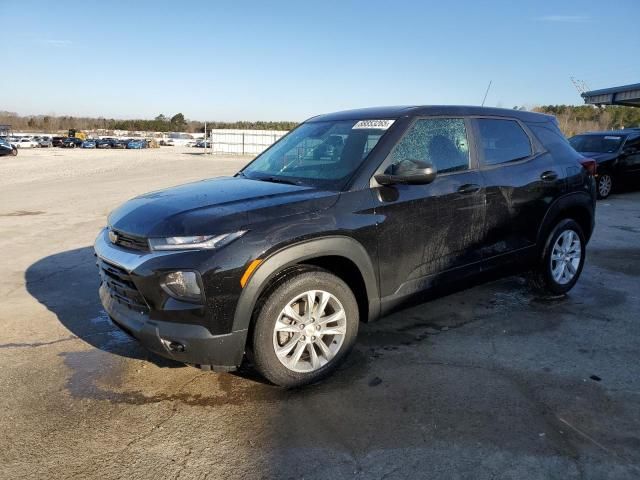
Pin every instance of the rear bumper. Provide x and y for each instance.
(191, 344)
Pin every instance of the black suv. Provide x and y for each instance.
(616, 152)
(348, 217)
(71, 142)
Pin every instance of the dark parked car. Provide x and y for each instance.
(283, 260)
(57, 141)
(105, 143)
(617, 154)
(6, 148)
(71, 142)
(89, 143)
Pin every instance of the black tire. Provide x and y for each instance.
(542, 278)
(14, 152)
(263, 341)
(604, 185)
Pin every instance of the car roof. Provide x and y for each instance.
(394, 112)
(610, 132)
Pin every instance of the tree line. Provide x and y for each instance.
(572, 119)
(161, 123)
(583, 118)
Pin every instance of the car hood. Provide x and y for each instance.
(599, 157)
(218, 205)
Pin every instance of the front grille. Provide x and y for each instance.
(132, 242)
(121, 287)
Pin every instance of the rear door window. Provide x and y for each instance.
(502, 141)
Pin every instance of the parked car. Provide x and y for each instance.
(137, 144)
(57, 141)
(72, 142)
(202, 144)
(89, 143)
(45, 142)
(6, 148)
(617, 154)
(25, 142)
(284, 259)
(118, 143)
(105, 143)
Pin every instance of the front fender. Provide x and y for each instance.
(341, 246)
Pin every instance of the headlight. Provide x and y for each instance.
(183, 286)
(195, 242)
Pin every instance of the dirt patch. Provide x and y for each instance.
(22, 213)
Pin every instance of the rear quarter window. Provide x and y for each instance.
(553, 140)
(502, 141)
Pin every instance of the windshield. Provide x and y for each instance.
(596, 143)
(321, 154)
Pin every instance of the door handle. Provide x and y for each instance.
(469, 188)
(549, 176)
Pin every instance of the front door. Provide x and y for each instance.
(426, 230)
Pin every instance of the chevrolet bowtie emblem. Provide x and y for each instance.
(113, 236)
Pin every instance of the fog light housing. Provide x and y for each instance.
(183, 286)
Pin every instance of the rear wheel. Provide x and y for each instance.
(14, 151)
(305, 328)
(605, 185)
(562, 259)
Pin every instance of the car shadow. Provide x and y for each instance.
(67, 284)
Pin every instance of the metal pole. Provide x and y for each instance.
(205, 137)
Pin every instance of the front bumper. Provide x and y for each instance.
(192, 344)
(171, 329)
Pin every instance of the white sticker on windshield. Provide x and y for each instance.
(375, 124)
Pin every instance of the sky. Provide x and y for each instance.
(289, 60)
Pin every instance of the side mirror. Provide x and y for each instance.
(408, 172)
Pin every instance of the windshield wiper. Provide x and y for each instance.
(280, 180)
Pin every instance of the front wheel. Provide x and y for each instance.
(562, 260)
(305, 328)
(605, 185)
(14, 151)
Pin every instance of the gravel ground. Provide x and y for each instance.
(487, 383)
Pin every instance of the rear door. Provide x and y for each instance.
(425, 230)
(520, 180)
(630, 157)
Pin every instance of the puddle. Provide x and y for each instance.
(99, 375)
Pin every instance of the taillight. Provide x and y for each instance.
(589, 165)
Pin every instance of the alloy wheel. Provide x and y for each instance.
(309, 331)
(604, 185)
(566, 257)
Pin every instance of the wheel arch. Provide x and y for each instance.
(340, 255)
(578, 206)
